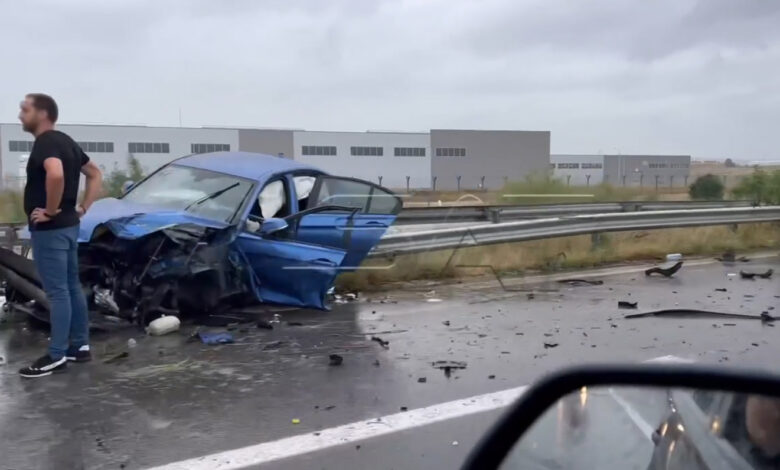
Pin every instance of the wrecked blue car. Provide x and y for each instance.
(209, 232)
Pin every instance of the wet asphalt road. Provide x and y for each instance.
(172, 399)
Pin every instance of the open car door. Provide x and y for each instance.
(288, 272)
(355, 215)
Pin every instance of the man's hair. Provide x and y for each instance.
(46, 103)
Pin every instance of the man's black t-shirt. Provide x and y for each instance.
(54, 144)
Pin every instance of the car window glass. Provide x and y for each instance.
(356, 194)
(272, 199)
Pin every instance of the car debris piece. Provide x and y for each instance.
(448, 366)
(749, 275)
(265, 325)
(550, 345)
(491, 377)
(446, 323)
(730, 257)
(336, 360)
(163, 325)
(216, 338)
(577, 282)
(688, 312)
(296, 421)
(721, 289)
(422, 380)
(667, 272)
(383, 343)
(626, 304)
(294, 323)
(116, 357)
(404, 408)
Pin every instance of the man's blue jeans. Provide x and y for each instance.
(56, 256)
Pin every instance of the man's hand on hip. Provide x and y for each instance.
(39, 215)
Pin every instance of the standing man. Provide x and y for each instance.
(53, 173)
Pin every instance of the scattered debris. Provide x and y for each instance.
(383, 343)
(550, 345)
(273, 345)
(433, 300)
(548, 334)
(216, 338)
(403, 408)
(294, 323)
(577, 282)
(687, 312)
(336, 360)
(729, 324)
(449, 366)
(625, 304)
(131, 343)
(754, 344)
(749, 275)
(730, 257)
(491, 377)
(613, 325)
(265, 325)
(530, 296)
(446, 323)
(454, 443)
(422, 380)
(667, 272)
(766, 317)
(296, 421)
(163, 325)
(116, 357)
(721, 289)
(377, 363)
(330, 407)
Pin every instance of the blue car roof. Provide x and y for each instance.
(245, 164)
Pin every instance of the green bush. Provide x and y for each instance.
(760, 187)
(113, 182)
(708, 188)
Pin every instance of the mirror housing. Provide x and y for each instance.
(498, 442)
(272, 225)
(127, 186)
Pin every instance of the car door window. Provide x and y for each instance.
(364, 196)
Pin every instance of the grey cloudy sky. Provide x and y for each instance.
(632, 76)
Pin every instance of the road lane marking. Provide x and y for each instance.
(644, 426)
(293, 446)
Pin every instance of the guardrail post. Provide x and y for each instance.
(596, 241)
(434, 183)
(407, 183)
(458, 177)
(495, 215)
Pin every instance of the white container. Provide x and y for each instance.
(673, 257)
(163, 326)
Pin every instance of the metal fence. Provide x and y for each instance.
(486, 234)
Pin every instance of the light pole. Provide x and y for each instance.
(434, 183)
(380, 181)
(656, 183)
(458, 183)
(587, 180)
(407, 183)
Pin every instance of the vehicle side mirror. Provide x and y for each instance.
(638, 416)
(272, 225)
(127, 186)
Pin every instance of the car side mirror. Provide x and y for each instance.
(127, 186)
(272, 225)
(638, 416)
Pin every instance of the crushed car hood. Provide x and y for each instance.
(130, 221)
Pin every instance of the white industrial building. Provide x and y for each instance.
(622, 170)
(440, 159)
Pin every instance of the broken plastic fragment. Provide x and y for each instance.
(625, 304)
(667, 272)
(336, 360)
(216, 338)
(749, 275)
(383, 343)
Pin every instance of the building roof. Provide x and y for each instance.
(245, 164)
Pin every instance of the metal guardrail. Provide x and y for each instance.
(505, 213)
(416, 242)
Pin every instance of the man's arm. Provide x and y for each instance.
(55, 185)
(94, 184)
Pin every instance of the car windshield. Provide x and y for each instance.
(205, 193)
